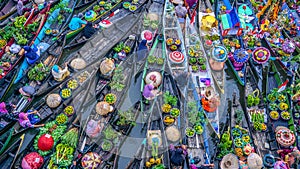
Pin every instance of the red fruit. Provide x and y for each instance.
(45, 142)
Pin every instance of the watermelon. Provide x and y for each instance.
(45, 142)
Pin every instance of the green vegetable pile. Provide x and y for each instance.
(38, 72)
(225, 145)
(63, 155)
(56, 131)
(117, 82)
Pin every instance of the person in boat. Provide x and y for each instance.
(290, 156)
(89, 30)
(27, 91)
(29, 119)
(5, 109)
(177, 155)
(32, 54)
(149, 91)
(60, 74)
(76, 22)
(181, 12)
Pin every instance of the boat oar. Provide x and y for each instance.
(20, 145)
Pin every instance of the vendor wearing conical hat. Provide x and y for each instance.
(210, 102)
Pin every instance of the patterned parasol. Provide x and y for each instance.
(219, 53)
(240, 56)
(261, 55)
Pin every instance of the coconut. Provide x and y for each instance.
(45, 142)
(32, 160)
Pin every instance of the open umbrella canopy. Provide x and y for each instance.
(219, 53)
(261, 55)
(240, 56)
(53, 100)
(254, 161)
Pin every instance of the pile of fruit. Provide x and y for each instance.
(61, 119)
(83, 77)
(168, 120)
(72, 84)
(69, 110)
(110, 98)
(152, 162)
(65, 93)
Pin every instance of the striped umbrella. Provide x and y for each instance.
(261, 55)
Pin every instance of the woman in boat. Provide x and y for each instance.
(32, 54)
(27, 91)
(89, 30)
(28, 119)
(149, 91)
(181, 12)
(290, 156)
(177, 154)
(60, 74)
(5, 109)
(76, 22)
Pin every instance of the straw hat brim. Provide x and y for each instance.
(232, 159)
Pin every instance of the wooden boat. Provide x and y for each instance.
(32, 18)
(156, 147)
(93, 50)
(177, 58)
(114, 15)
(114, 18)
(60, 122)
(5, 139)
(278, 108)
(257, 117)
(200, 144)
(80, 80)
(155, 68)
(96, 18)
(8, 157)
(110, 123)
(53, 22)
(240, 133)
(9, 8)
(201, 78)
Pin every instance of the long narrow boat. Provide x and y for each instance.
(60, 13)
(237, 56)
(172, 113)
(240, 132)
(156, 69)
(279, 111)
(93, 50)
(102, 20)
(177, 58)
(216, 53)
(201, 72)
(257, 117)
(156, 147)
(10, 8)
(95, 16)
(110, 122)
(62, 113)
(8, 31)
(200, 135)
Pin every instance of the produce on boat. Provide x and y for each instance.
(143, 84)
